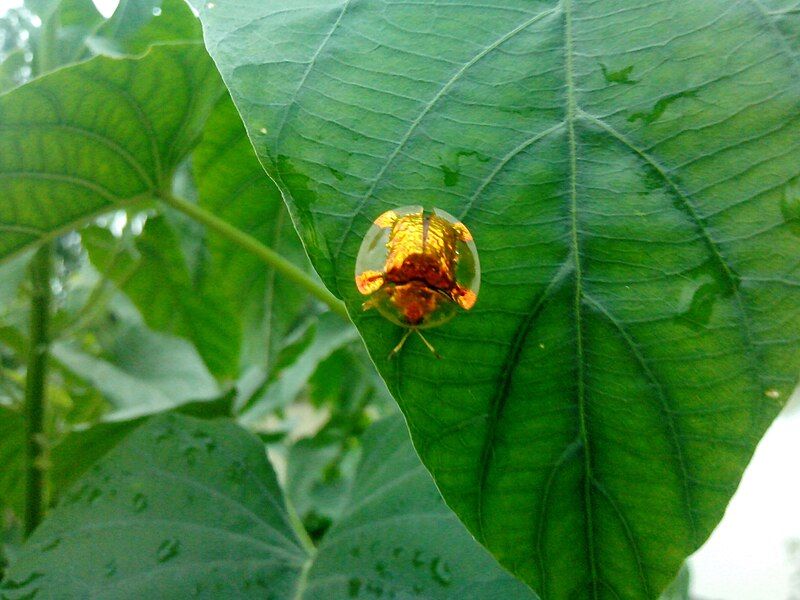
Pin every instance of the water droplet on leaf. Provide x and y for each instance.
(139, 502)
(167, 550)
(441, 572)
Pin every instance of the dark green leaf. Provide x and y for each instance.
(623, 167)
(185, 507)
(96, 136)
(181, 507)
(396, 538)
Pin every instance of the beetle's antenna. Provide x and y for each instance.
(399, 346)
(428, 344)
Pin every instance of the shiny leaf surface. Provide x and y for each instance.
(98, 135)
(626, 169)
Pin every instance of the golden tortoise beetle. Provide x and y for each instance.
(419, 268)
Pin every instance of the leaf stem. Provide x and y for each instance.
(35, 386)
(265, 254)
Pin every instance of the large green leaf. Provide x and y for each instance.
(625, 168)
(190, 508)
(98, 135)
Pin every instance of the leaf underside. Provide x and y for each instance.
(626, 170)
(190, 508)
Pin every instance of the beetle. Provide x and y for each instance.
(418, 267)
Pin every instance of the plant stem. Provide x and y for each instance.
(35, 386)
(267, 255)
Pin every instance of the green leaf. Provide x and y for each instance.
(190, 507)
(232, 184)
(137, 24)
(283, 386)
(180, 507)
(622, 166)
(146, 373)
(105, 133)
(11, 67)
(61, 37)
(154, 275)
(319, 472)
(397, 537)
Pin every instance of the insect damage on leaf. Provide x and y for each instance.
(419, 268)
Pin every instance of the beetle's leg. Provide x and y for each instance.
(386, 220)
(463, 233)
(428, 344)
(399, 346)
(369, 282)
(465, 298)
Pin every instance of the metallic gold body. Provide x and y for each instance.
(418, 282)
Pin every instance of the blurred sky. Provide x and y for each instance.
(748, 557)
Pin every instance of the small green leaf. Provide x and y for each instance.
(65, 26)
(102, 134)
(146, 373)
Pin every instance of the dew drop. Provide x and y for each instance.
(139, 502)
(772, 393)
(417, 560)
(167, 550)
(354, 587)
(110, 568)
(263, 131)
(210, 5)
(205, 440)
(441, 572)
(156, 11)
(94, 496)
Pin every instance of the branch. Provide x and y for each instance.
(35, 386)
(265, 254)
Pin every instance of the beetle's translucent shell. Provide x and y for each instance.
(418, 267)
